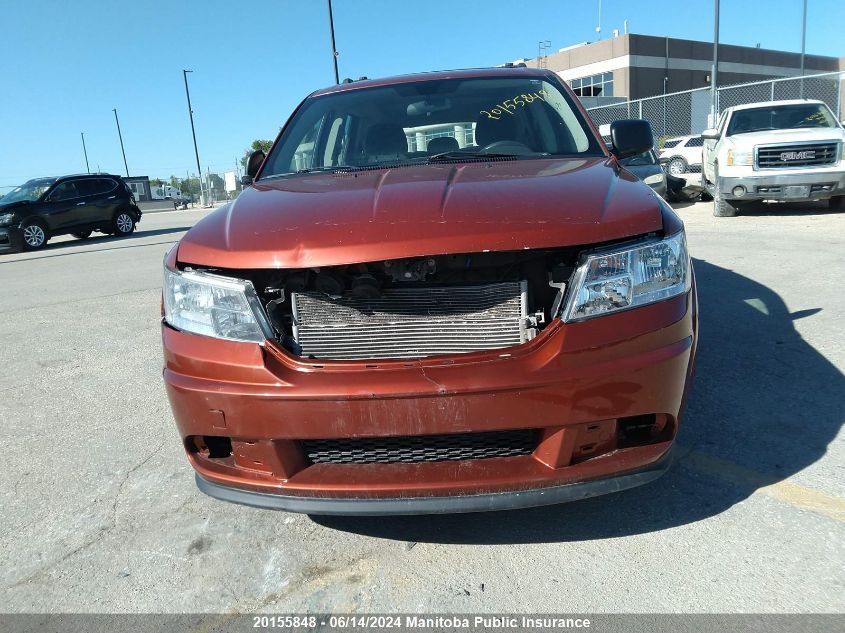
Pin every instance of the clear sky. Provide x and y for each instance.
(65, 64)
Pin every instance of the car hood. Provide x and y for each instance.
(797, 135)
(328, 219)
(12, 206)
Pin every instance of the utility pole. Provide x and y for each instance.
(85, 151)
(803, 44)
(193, 132)
(334, 49)
(714, 76)
(120, 136)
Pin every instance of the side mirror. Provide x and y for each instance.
(710, 134)
(630, 137)
(253, 164)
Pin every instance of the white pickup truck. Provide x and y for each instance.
(776, 150)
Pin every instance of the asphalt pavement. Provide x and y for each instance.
(100, 512)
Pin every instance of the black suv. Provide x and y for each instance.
(41, 208)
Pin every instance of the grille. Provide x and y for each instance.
(421, 448)
(411, 322)
(804, 155)
(823, 188)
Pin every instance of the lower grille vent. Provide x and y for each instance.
(421, 448)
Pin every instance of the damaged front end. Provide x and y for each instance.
(412, 308)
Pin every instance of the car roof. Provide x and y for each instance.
(42, 179)
(95, 175)
(54, 179)
(763, 104)
(468, 73)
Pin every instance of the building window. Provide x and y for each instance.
(418, 137)
(600, 85)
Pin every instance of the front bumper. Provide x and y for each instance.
(660, 188)
(572, 383)
(11, 239)
(820, 184)
(484, 502)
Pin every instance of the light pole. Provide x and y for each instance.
(334, 50)
(120, 136)
(85, 151)
(194, 133)
(714, 77)
(803, 43)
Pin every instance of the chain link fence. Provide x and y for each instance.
(685, 113)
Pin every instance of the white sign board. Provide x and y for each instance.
(230, 182)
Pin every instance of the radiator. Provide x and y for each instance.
(412, 322)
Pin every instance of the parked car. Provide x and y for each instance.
(386, 321)
(682, 154)
(644, 166)
(647, 168)
(45, 207)
(774, 151)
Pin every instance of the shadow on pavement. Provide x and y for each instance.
(762, 209)
(765, 405)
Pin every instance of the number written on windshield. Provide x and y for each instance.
(509, 105)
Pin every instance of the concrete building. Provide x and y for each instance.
(632, 66)
(140, 186)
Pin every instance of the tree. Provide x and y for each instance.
(257, 144)
(189, 188)
(156, 182)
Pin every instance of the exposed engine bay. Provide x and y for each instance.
(416, 307)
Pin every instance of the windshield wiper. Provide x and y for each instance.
(453, 155)
(313, 170)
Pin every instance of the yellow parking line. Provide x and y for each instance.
(783, 490)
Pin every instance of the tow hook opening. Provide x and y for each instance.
(640, 430)
(210, 446)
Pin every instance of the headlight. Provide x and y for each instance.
(654, 179)
(621, 279)
(216, 306)
(739, 159)
(7, 218)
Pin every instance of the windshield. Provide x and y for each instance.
(30, 190)
(781, 118)
(431, 121)
(646, 158)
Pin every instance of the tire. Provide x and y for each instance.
(82, 235)
(836, 203)
(34, 235)
(124, 223)
(722, 208)
(677, 165)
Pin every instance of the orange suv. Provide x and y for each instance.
(439, 293)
